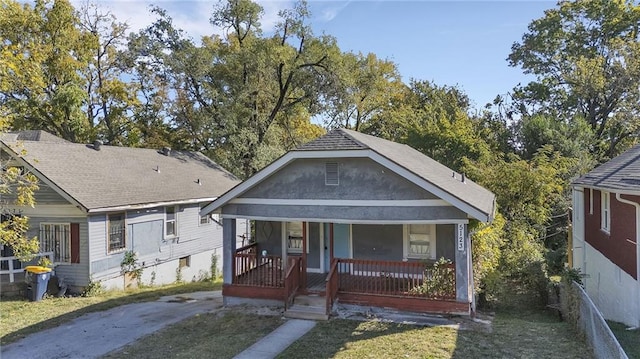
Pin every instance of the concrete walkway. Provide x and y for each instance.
(99, 333)
(278, 340)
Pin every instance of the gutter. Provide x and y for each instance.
(148, 205)
(637, 206)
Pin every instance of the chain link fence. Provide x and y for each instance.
(579, 310)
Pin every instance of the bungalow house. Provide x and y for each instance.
(97, 202)
(606, 236)
(357, 219)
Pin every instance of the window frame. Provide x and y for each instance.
(432, 238)
(605, 211)
(68, 240)
(124, 233)
(290, 250)
(174, 220)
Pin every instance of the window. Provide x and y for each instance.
(184, 262)
(420, 240)
(117, 232)
(56, 238)
(606, 211)
(170, 222)
(331, 174)
(206, 219)
(294, 237)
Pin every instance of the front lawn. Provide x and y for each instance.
(523, 334)
(20, 317)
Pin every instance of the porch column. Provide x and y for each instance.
(463, 255)
(228, 248)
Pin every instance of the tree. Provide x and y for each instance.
(233, 96)
(364, 87)
(42, 55)
(586, 56)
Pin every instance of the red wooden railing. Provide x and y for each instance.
(331, 285)
(252, 269)
(414, 279)
(292, 280)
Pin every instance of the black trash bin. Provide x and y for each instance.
(37, 279)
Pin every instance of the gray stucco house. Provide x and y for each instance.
(355, 219)
(96, 202)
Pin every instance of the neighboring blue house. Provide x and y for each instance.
(96, 202)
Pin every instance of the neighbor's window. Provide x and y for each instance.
(170, 221)
(56, 238)
(294, 237)
(206, 219)
(606, 211)
(117, 232)
(421, 240)
(184, 262)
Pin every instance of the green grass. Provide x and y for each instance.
(515, 335)
(20, 317)
(214, 335)
(629, 339)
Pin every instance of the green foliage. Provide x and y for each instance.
(179, 278)
(440, 280)
(93, 288)
(130, 266)
(586, 57)
(570, 275)
(214, 267)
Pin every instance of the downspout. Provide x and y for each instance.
(637, 206)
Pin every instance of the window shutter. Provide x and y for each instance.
(75, 243)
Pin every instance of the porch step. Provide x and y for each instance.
(308, 307)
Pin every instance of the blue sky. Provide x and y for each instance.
(462, 43)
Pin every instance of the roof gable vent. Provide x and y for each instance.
(331, 174)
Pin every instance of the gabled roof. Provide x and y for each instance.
(430, 174)
(115, 177)
(620, 173)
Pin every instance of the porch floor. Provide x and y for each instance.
(316, 282)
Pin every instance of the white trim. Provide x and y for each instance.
(637, 207)
(590, 200)
(175, 221)
(293, 155)
(150, 205)
(322, 245)
(345, 203)
(630, 192)
(346, 221)
(50, 210)
(605, 211)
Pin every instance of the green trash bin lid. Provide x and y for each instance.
(37, 269)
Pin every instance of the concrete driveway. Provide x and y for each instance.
(96, 334)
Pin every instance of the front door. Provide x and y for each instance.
(341, 242)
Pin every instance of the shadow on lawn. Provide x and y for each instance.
(119, 298)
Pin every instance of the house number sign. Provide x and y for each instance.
(461, 237)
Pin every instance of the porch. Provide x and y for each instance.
(415, 286)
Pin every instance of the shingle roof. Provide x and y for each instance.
(621, 173)
(410, 159)
(123, 176)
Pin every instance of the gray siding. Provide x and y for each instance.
(269, 237)
(44, 195)
(352, 213)
(360, 179)
(445, 241)
(377, 242)
(76, 274)
(145, 235)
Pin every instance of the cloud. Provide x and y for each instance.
(329, 12)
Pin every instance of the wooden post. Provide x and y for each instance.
(303, 280)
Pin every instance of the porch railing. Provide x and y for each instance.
(331, 285)
(11, 271)
(414, 279)
(255, 270)
(292, 280)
